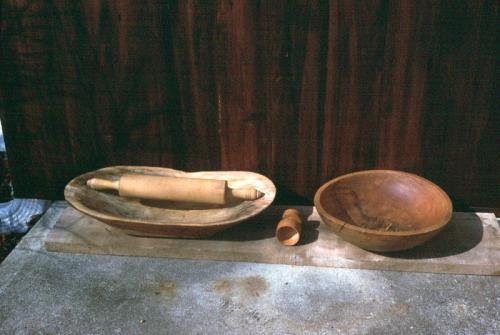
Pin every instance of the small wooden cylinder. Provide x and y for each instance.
(290, 227)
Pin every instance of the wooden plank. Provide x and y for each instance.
(469, 245)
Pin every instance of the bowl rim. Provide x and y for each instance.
(323, 212)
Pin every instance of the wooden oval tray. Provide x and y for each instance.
(166, 218)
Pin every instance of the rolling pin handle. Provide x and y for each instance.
(103, 184)
(245, 193)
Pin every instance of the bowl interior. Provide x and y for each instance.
(386, 201)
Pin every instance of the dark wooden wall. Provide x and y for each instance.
(301, 91)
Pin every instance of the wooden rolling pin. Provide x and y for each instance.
(205, 191)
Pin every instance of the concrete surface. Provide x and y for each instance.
(55, 293)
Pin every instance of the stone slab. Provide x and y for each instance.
(63, 293)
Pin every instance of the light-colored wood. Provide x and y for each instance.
(289, 228)
(103, 184)
(195, 190)
(469, 244)
(167, 218)
(248, 193)
(383, 210)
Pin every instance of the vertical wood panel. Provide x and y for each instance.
(462, 139)
(301, 91)
(235, 82)
(308, 65)
(193, 33)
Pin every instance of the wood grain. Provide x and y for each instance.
(468, 245)
(301, 91)
(383, 210)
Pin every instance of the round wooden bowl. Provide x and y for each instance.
(166, 218)
(383, 210)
